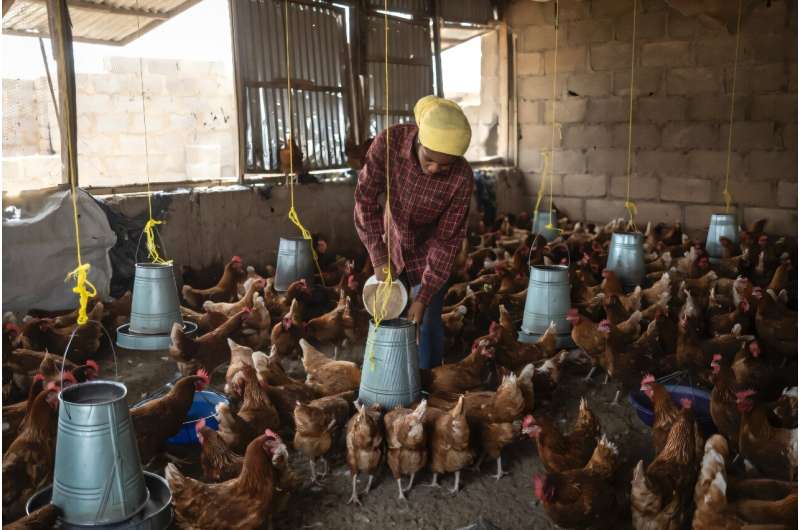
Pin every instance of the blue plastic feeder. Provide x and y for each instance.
(701, 402)
(203, 407)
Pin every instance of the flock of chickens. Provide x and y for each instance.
(727, 325)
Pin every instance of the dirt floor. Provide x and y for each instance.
(505, 504)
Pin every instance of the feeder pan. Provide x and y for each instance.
(203, 407)
(701, 403)
(156, 514)
(154, 309)
(398, 298)
(562, 341)
(140, 341)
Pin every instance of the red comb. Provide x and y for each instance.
(38, 377)
(269, 433)
(69, 376)
(93, 365)
(236, 259)
(201, 423)
(202, 374)
(716, 357)
(53, 386)
(528, 421)
(649, 378)
(686, 403)
(744, 394)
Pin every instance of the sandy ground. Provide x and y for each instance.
(506, 504)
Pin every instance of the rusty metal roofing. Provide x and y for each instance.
(116, 22)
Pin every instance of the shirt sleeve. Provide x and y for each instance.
(367, 213)
(446, 241)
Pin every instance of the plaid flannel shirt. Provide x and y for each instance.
(429, 213)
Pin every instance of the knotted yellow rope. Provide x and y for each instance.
(149, 227)
(629, 204)
(384, 290)
(294, 217)
(80, 274)
(83, 287)
(726, 194)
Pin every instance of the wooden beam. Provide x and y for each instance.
(238, 84)
(114, 10)
(155, 23)
(46, 35)
(61, 40)
(6, 6)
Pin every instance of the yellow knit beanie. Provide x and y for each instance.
(442, 126)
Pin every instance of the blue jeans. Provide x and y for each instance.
(431, 333)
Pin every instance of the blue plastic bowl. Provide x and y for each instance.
(203, 407)
(701, 401)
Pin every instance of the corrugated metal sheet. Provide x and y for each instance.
(318, 54)
(473, 11)
(411, 7)
(410, 70)
(99, 21)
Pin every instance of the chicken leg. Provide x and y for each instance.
(590, 374)
(411, 481)
(455, 486)
(369, 484)
(500, 473)
(477, 466)
(400, 495)
(354, 496)
(325, 464)
(434, 483)
(616, 399)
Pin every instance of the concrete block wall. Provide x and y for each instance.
(190, 122)
(683, 82)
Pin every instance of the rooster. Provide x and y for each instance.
(241, 503)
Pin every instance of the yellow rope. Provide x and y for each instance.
(629, 204)
(553, 127)
(726, 194)
(384, 289)
(149, 227)
(294, 217)
(81, 272)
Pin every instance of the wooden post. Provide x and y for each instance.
(437, 47)
(505, 93)
(238, 83)
(61, 39)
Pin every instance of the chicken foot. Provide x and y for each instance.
(500, 473)
(616, 399)
(354, 496)
(434, 483)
